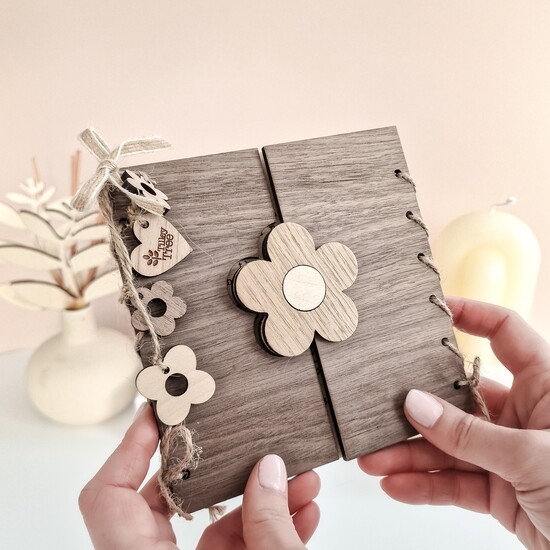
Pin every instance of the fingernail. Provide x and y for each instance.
(137, 414)
(272, 473)
(423, 408)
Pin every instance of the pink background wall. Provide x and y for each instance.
(466, 82)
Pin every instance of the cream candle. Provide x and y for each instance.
(490, 256)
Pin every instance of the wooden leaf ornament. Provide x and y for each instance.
(300, 289)
(42, 295)
(32, 187)
(39, 226)
(95, 232)
(26, 256)
(57, 215)
(177, 387)
(103, 285)
(9, 294)
(93, 256)
(9, 216)
(88, 219)
(161, 248)
(18, 198)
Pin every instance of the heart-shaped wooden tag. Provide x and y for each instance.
(161, 248)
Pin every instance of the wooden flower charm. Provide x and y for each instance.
(168, 308)
(300, 290)
(139, 184)
(177, 387)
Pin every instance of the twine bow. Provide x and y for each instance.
(107, 169)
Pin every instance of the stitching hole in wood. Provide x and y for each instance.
(421, 255)
(144, 224)
(166, 370)
(445, 342)
(409, 215)
(186, 474)
(433, 298)
(397, 173)
(457, 385)
(176, 384)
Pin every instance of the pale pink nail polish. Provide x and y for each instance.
(272, 473)
(139, 411)
(423, 408)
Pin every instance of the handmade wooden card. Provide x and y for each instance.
(304, 290)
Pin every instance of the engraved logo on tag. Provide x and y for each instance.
(165, 244)
(161, 247)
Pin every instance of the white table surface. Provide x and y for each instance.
(44, 465)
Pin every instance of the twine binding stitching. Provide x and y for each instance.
(473, 380)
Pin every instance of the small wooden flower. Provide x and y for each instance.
(176, 388)
(140, 184)
(168, 308)
(300, 290)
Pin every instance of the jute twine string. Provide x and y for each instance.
(179, 454)
(129, 291)
(106, 173)
(473, 380)
(175, 437)
(99, 187)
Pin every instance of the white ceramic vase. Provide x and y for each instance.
(84, 374)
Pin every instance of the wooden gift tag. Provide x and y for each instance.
(161, 248)
(337, 398)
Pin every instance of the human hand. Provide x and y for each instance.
(118, 517)
(501, 468)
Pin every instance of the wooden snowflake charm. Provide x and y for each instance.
(298, 290)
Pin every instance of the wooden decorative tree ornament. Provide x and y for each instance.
(298, 290)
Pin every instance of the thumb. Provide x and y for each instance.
(503, 451)
(267, 523)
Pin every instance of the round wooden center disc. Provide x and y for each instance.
(304, 288)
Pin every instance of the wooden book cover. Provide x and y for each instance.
(337, 399)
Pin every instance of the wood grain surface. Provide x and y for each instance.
(262, 404)
(343, 188)
(340, 188)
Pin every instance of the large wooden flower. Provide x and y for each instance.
(300, 290)
(177, 387)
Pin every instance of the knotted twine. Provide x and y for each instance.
(98, 187)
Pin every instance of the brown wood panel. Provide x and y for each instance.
(262, 404)
(343, 188)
